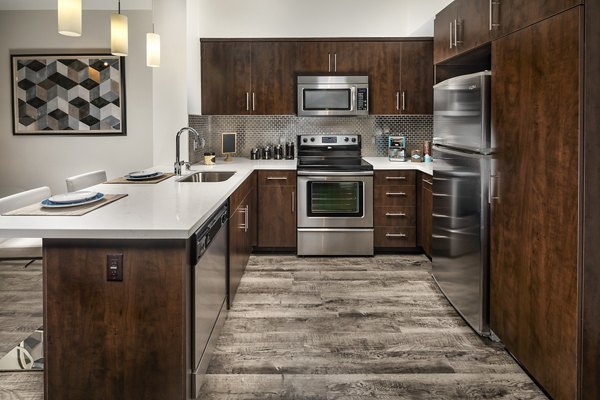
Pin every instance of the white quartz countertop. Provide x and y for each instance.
(165, 210)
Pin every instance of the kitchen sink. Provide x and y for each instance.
(207, 176)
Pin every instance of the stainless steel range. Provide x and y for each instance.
(335, 196)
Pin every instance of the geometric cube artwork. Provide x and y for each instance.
(68, 94)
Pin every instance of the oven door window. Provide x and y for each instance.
(327, 99)
(335, 199)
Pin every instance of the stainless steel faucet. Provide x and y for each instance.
(197, 139)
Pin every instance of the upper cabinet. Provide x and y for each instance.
(462, 26)
(401, 77)
(244, 78)
(258, 77)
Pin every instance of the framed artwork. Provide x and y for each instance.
(68, 94)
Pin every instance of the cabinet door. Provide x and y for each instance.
(535, 116)
(443, 28)
(276, 209)
(416, 78)
(226, 81)
(350, 58)
(473, 18)
(273, 78)
(384, 72)
(426, 213)
(315, 57)
(512, 15)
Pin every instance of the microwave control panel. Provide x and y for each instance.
(362, 99)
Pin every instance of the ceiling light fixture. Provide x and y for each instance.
(119, 36)
(153, 45)
(69, 17)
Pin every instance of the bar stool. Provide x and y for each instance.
(83, 181)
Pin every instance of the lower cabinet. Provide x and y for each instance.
(277, 209)
(425, 212)
(395, 212)
(242, 232)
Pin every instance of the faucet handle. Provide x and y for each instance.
(188, 167)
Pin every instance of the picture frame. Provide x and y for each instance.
(69, 95)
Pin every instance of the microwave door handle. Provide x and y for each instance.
(353, 95)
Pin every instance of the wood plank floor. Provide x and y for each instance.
(318, 328)
(353, 328)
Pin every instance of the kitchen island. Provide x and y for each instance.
(130, 338)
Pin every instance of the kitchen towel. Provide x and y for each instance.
(161, 178)
(37, 209)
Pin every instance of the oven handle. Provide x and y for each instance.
(329, 173)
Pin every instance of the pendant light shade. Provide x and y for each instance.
(69, 17)
(118, 35)
(153, 49)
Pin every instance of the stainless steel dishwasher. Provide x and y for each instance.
(209, 258)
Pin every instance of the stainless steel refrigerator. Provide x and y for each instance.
(461, 217)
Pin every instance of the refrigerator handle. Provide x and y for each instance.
(494, 190)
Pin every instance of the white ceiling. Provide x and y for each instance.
(87, 4)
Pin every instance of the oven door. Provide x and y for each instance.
(335, 201)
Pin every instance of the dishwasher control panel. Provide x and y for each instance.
(205, 234)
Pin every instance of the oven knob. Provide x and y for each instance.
(304, 140)
(353, 140)
(346, 139)
(312, 139)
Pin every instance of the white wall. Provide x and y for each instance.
(27, 162)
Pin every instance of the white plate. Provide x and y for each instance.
(48, 204)
(143, 178)
(73, 197)
(143, 174)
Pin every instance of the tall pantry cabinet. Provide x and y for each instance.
(545, 257)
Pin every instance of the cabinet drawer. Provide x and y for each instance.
(276, 178)
(394, 177)
(394, 196)
(395, 237)
(395, 216)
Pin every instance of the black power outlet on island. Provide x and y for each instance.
(114, 267)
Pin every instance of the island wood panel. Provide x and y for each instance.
(116, 340)
(535, 116)
(273, 78)
(590, 276)
(226, 78)
(417, 77)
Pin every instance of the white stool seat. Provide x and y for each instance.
(86, 180)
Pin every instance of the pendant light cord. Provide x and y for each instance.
(119, 6)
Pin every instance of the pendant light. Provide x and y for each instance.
(118, 33)
(153, 45)
(69, 17)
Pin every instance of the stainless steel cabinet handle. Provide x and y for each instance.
(395, 194)
(293, 202)
(395, 215)
(492, 4)
(455, 34)
(395, 178)
(253, 108)
(450, 35)
(403, 100)
(398, 101)
(247, 101)
(334, 62)
(329, 62)
(276, 178)
(247, 218)
(392, 235)
(244, 226)
(427, 182)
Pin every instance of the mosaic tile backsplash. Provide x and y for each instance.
(261, 130)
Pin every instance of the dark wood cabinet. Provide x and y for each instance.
(425, 212)
(329, 57)
(461, 26)
(394, 210)
(242, 232)
(277, 209)
(511, 15)
(243, 77)
(534, 230)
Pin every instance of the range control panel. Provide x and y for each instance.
(329, 140)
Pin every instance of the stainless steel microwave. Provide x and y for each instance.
(333, 96)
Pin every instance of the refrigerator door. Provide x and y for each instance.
(461, 113)
(460, 251)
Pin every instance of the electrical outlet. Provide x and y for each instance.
(114, 267)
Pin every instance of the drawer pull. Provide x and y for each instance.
(395, 235)
(395, 178)
(395, 215)
(395, 194)
(427, 182)
(276, 178)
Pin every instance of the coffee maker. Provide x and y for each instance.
(397, 148)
